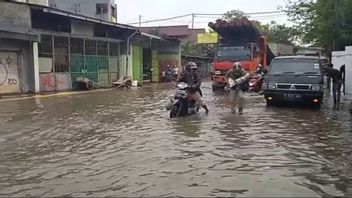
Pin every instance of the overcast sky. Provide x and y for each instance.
(129, 10)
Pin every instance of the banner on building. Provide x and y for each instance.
(207, 38)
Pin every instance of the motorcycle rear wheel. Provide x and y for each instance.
(173, 112)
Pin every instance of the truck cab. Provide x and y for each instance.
(249, 55)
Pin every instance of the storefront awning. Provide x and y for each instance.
(151, 36)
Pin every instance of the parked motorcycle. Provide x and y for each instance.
(256, 83)
(182, 102)
(125, 81)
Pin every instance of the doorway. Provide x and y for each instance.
(147, 64)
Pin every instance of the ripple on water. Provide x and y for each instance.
(122, 143)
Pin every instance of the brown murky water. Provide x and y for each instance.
(122, 143)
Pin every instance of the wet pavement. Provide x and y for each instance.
(122, 143)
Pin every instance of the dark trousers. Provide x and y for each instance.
(336, 91)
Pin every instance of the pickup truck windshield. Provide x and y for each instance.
(295, 66)
(233, 53)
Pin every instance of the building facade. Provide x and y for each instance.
(43, 49)
(180, 32)
(340, 58)
(101, 9)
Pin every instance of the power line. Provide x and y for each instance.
(202, 14)
(271, 15)
(159, 20)
(250, 13)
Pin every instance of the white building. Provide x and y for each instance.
(340, 58)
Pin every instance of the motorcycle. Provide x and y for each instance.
(182, 102)
(125, 81)
(256, 83)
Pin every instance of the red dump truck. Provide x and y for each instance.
(240, 41)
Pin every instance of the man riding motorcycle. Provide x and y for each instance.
(192, 77)
(258, 79)
(261, 71)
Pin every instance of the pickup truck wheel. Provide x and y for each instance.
(316, 106)
(270, 103)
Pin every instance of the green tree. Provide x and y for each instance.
(273, 31)
(280, 33)
(233, 14)
(324, 23)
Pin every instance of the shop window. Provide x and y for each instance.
(101, 8)
(114, 49)
(91, 47)
(61, 59)
(76, 45)
(113, 12)
(46, 46)
(102, 48)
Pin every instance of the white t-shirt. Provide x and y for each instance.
(176, 70)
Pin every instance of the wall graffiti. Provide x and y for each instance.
(12, 82)
(9, 78)
(3, 73)
(54, 82)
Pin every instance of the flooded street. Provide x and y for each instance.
(123, 143)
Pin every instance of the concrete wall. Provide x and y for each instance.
(340, 58)
(83, 7)
(281, 49)
(156, 67)
(38, 2)
(55, 82)
(171, 52)
(193, 35)
(122, 66)
(137, 56)
(82, 28)
(21, 54)
(15, 17)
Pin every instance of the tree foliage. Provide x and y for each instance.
(276, 33)
(233, 14)
(324, 23)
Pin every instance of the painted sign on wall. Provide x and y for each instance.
(9, 78)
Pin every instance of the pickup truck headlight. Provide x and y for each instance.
(316, 87)
(271, 86)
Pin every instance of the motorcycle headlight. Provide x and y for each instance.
(271, 86)
(316, 87)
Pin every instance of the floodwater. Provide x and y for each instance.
(123, 143)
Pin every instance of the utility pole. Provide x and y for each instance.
(336, 26)
(193, 16)
(140, 20)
